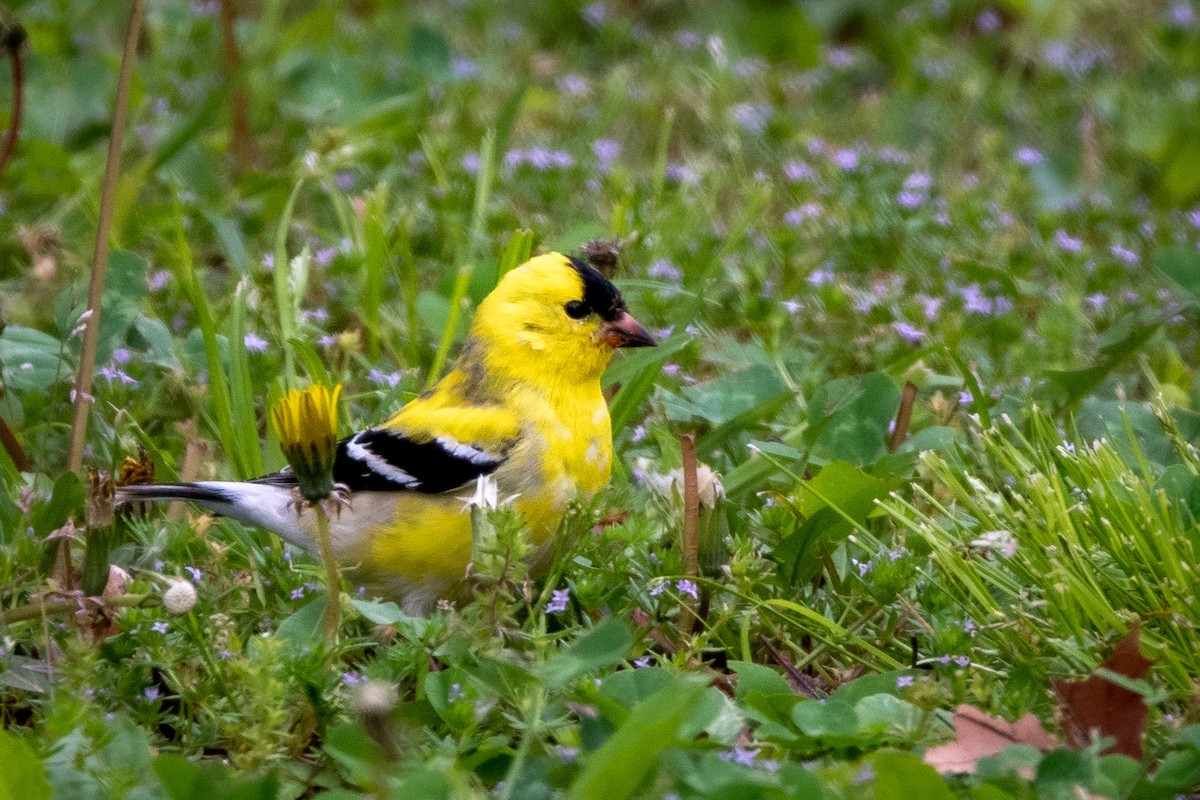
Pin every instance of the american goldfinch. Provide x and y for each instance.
(521, 404)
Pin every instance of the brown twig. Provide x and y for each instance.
(67, 605)
(242, 143)
(691, 525)
(903, 417)
(11, 446)
(13, 42)
(91, 332)
(801, 684)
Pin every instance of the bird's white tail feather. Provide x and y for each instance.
(262, 504)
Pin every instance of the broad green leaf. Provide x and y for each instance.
(622, 764)
(827, 503)
(848, 417)
(1182, 265)
(30, 360)
(23, 776)
(606, 644)
(901, 776)
(303, 626)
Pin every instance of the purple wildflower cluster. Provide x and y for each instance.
(539, 159)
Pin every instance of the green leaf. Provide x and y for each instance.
(24, 775)
(303, 627)
(849, 417)
(757, 678)
(838, 494)
(900, 776)
(831, 720)
(623, 763)
(30, 360)
(602, 646)
(1181, 265)
(380, 613)
(66, 500)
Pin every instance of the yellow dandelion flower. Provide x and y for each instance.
(306, 423)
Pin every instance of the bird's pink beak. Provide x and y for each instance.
(625, 331)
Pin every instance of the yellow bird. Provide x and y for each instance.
(522, 404)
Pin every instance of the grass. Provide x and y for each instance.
(818, 204)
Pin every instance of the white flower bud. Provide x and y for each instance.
(376, 698)
(179, 598)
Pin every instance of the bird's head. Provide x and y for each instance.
(555, 317)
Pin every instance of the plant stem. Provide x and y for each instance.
(691, 528)
(91, 333)
(333, 578)
(14, 40)
(532, 728)
(65, 605)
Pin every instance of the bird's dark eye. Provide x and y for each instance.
(576, 310)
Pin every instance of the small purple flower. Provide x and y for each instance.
(682, 174)
(327, 341)
(1181, 14)
(455, 693)
(846, 159)
(639, 433)
(1027, 156)
(388, 379)
(839, 57)
(158, 280)
(1097, 300)
(740, 755)
(324, 256)
(558, 601)
(685, 586)
(792, 307)
(670, 369)
(195, 573)
(820, 277)
(114, 374)
(462, 67)
(353, 678)
(908, 332)
(752, 117)
(1124, 255)
(963, 661)
(255, 343)
(1066, 242)
(969, 625)
(797, 216)
(975, 301)
(797, 171)
(988, 21)
(863, 566)
(663, 269)
(658, 589)
(965, 398)
(930, 306)
(910, 200)
(606, 152)
(596, 14)
(160, 626)
(344, 180)
(572, 85)
(298, 593)
(122, 355)
(150, 693)
(904, 681)
(641, 663)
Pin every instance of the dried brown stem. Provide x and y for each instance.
(241, 142)
(14, 41)
(11, 446)
(91, 332)
(903, 417)
(691, 524)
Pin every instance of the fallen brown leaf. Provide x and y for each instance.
(978, 735)
(1097, 705)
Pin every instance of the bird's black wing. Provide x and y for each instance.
(380, 459)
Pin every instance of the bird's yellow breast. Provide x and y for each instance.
(563, 452)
